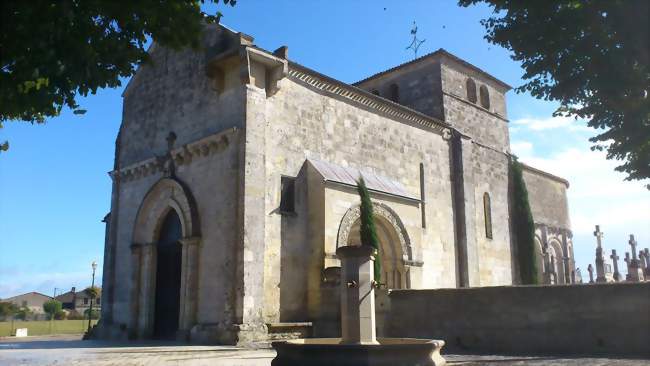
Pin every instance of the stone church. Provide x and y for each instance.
(234, 183)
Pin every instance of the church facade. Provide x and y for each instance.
(234, 183)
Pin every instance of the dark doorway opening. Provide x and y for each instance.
(168, 278)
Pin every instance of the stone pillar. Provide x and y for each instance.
(134, 294)
(464, 210)
(147, 289)
(357, 295)
(590, 269)
(189, 284)
(600, 260)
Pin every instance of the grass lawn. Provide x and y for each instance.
(44, 327)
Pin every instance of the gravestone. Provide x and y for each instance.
(627, 261)
(600, 260)
(617, 275)
(646, 270)
(590, 269)
(636, 274)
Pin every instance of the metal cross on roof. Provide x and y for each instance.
(415, 43)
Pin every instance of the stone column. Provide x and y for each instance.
(147, 289)
(357, 295)
(189, 283)
(134, 294)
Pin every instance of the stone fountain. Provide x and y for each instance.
(358, 344)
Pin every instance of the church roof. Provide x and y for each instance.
(441, 52)
(349, 176)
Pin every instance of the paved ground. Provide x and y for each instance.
(70, 350)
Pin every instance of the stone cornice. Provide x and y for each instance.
(182, 155)
(364, 98)
(545, 174)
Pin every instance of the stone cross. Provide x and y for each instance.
(627, 261)
(644, 263)
(635, 271)
(600, 260)
(617, 275)
(599, 235)
(590, 269)
(646, 251)
(633, 245)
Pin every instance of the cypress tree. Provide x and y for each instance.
(367, 230)
(524, 226)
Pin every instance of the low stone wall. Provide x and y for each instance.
(573, 319)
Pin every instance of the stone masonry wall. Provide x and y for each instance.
(418, 84)
(303, 122)
(213, 182)
(548, 200)
(173, 92)
(569, 319)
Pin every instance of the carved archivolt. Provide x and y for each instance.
(383, 211)
(167, 194)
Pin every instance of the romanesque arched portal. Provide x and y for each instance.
(167, 219)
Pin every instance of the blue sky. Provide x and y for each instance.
(54, 187)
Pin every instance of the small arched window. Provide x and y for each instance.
(487, 213)
(471, 90)
(393, 93)
(485, 97)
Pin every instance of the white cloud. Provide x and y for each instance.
(521, 148)
(541, 124)
(597, 195)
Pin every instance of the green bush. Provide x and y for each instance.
(52, 307)
(93, 315)
(368, 230)
(75, 315)
(60, 315)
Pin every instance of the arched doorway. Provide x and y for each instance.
(168, 277)
(394, 245)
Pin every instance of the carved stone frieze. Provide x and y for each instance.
(182, 155)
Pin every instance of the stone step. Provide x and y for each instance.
(289, 330)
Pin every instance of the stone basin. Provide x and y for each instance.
(330, 352)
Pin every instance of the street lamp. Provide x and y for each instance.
(92, 286)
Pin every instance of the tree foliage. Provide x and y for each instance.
(54, 51)
(7, 309)
(92, 292)
(52, 307)
(368, 231)
(592, 57)
(524, 226)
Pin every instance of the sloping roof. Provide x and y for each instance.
(27, 294)
(432, 55)
(349, 176)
